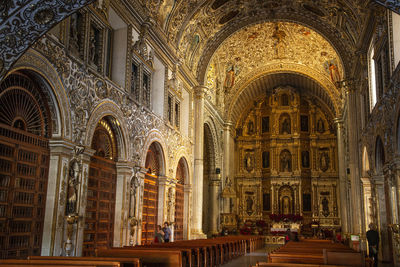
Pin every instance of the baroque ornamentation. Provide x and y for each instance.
(29, 20)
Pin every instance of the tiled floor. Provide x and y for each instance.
(248, 259)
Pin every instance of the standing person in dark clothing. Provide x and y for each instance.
(373, 242)
(167, 232)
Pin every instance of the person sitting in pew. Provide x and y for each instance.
(159, 235)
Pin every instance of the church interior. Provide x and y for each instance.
(218, 117)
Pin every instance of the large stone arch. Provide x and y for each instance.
(181, 153)
(155, 136)
(330, 89)
(102, 110)
(39, 66)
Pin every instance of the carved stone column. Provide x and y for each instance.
(384, 251)
(214, 186)
(121, 227)
(228, 157)
(343, 198)
(354, 164)
(197, 206)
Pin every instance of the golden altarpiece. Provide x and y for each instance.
(285, 162)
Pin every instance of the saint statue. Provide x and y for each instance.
(73, 181)
(286, 162)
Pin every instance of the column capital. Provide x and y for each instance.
(228, 125)
(199, 91)
(338, 121)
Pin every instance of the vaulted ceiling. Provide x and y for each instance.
(223, 39)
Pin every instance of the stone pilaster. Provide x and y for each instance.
(197, 206)
(354, 165)
(214, 186)
(228, 157)
(382, 222)
(343, 198)
(53, 233)
(121, 223)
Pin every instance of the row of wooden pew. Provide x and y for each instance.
(187, 253)
(313, 252)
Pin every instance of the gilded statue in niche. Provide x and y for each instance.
(285, 161)
(285, 125)
(324, 161)
(72, 190)
(248, 162)
(249, 205)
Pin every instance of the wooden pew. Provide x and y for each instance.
(316, 252)
(149, 257)
(134, 262)
(269, 264)
(62, 263)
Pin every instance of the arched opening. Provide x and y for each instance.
(208, 170)
(154, 165)
(25, 129)
(101, 192)
(379, 155)
(181, 174)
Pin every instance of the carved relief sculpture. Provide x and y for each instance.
(73, 181)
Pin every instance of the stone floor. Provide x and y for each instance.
(259, 255)
(248, 259)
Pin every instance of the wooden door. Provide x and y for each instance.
(179, 206)
(149, 211)
(100, 209)
(24, 164)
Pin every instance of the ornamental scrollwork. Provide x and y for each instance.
(23, 22)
